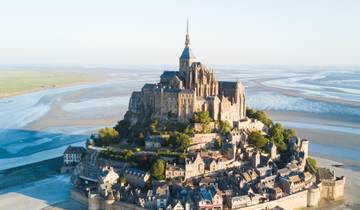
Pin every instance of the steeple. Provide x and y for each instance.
(187, 57)
(187, 38)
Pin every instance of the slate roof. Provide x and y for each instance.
(169, 74)
(187, 53)
(325, 173)
(74, 150)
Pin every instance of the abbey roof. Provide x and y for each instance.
(187, 53)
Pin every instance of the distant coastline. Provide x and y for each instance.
(14, 83)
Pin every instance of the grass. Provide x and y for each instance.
(21, 81)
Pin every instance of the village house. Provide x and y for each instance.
(174, 171)
(73, 155)
(137, 177)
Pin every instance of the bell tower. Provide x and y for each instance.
(187, 57)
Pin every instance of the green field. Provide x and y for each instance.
(21, 81)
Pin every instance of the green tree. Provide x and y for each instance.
(158, 169)
(180, 141)
(107, 136)
(277, 136)
(259, 115)
(225, 127)
(185, 142)
(189, 130)
(288, 134)
(257, 139)
(122, 127)
(250, 112)
(202, 117)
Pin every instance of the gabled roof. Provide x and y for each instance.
(74, 150)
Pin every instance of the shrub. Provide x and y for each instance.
(312, 163)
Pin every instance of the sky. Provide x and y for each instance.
(228, 32)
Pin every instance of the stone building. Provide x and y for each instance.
(173, 171)
(137, 177)
(192, 88)
(72, 155)
(194, 166)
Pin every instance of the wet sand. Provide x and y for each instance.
(325, 134)
(352, 187)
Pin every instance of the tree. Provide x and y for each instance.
(122, 127)
(107, 136)
(185, 142)
(262, 117)
(259, 115)
(276, 136)
(225, 127)
(288, 134)
(257, 139)
(158, 169)
(189, 130)
(180, 141)
(202, 117)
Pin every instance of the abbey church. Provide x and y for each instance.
(192, 88)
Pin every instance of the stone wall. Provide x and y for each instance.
(294, 201)
(205, 140)
(333, 189)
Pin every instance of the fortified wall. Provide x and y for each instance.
(327, 190)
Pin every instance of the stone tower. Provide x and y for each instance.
(187, 56)
(304, 147)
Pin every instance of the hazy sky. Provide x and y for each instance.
(87, 32)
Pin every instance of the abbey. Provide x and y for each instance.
(192, 88)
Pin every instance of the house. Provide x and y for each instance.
(73, 155)
(275, 193)
(210, 198)
(136, 177)
(174, 171)
(162, 193)
(194, 166)
(236, 202)
(291, 184)
(175, 205)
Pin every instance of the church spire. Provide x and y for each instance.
(187, 39)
